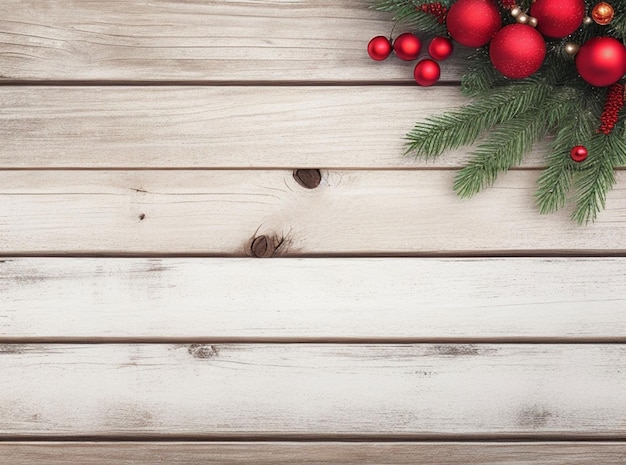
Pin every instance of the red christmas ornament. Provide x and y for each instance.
(517, 51)
(426, 72)
(379, 48)
(440, 48)
(407, 46)
(473, 22)
(579, 153)
(601, 61)
(558, 18)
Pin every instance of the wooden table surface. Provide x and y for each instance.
(178, 286)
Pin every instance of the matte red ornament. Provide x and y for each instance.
(473, 22)
(379, 48)
(407, 46)
(440, 48)
(601, 61)
(426, 72)
(579, 153)
(558, 18)
(517, 51)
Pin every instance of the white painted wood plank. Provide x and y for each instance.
(219, 127)
(283, 453)
(283, 389)
(353, 212)
(217, 40)
(232, 299)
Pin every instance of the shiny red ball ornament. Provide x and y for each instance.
(517, 51)
(473, 22)
(601, 61)
(379, 48)
(558, 18)
(579, 153)
(440, 48)
(407, 46)
(426, 72)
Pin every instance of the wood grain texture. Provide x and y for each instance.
(309, 389)
(181, 40)
(233, 299)
(219, 127)
(283, 453)
(351, 212)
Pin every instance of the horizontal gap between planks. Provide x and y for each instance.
(453, 341)
(201, 83)
(338, 438)
(434, 255)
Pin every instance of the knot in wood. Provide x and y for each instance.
(309, 179)
(262, 247)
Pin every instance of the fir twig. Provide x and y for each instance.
(408, 13)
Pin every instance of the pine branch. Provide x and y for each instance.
(408, 13)
(503, 148)
(454, 129)
(593, 183)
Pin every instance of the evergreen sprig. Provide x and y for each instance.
(509, 117)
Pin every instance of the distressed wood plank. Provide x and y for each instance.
(309, 389)
(282, 453)
(234, 299)
(219, 127)
(352, 212)
(218, 40)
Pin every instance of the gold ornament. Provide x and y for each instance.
(571, 49)
(522, 19)
(516, 11)
(602, 13)
(587, 21)
(532, 21)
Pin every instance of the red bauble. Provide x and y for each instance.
(558, 18)
(407, 46)
(426, 72)
(473, 22)
(517, 51)
(440, 48)
(379, 48)
(579, 153)
(601, 61)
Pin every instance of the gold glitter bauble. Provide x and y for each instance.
(571, 49)
(602, 13)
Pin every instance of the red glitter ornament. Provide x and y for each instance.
(579, 153)
(379, 48)
(558, 18)
(517, 51)
(426, 72)
(440, 48)
(436, 9)
(601, 61)
(407, 46)
(473, 22)
(612, 106)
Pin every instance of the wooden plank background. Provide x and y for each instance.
(147, 146)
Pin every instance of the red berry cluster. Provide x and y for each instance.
(508, 4)
(612, 106)
(407, 47)
(436, 9)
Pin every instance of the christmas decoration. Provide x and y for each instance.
(558, 18)
(473, 22)
(517, 51)
(440, 48)
(601, 61)
(407, 46)
(602, 13)
(579, 153)
(379, 48)
(539, 68)
(426, 72)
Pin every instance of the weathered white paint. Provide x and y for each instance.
(577, 299)
(310, 389)
(217, 40)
